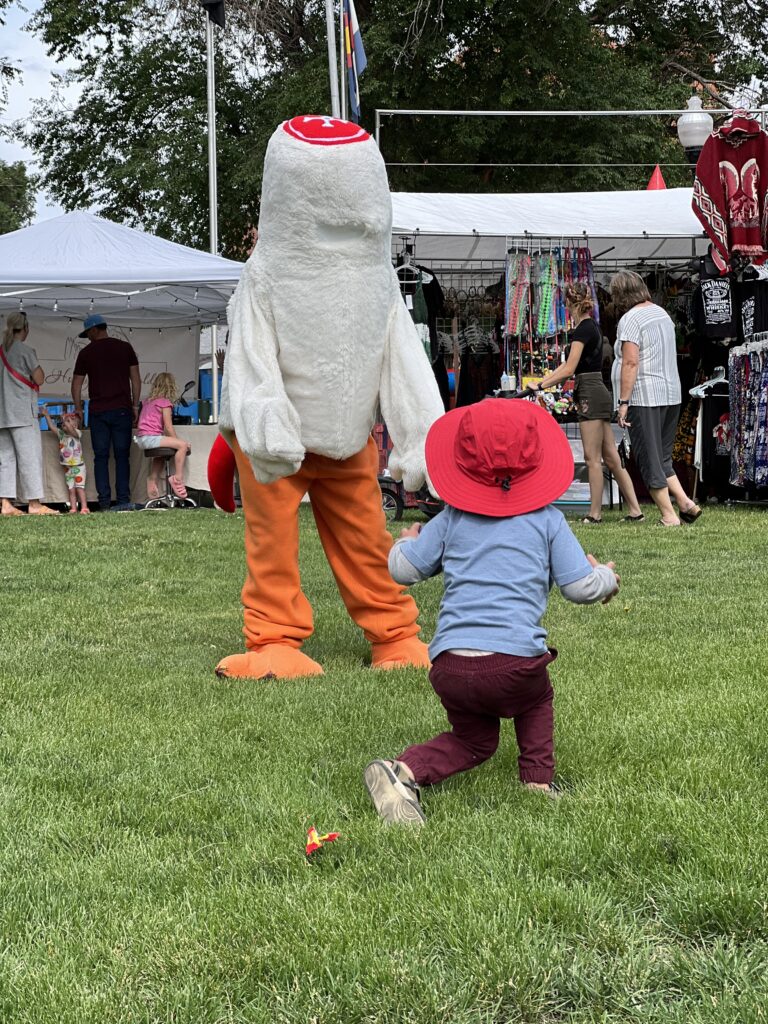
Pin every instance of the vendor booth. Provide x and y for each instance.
(492, 270)
(153, 293)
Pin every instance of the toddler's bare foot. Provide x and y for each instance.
(547, 788)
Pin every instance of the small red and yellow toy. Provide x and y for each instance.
(315, 841)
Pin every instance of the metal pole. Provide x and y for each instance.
(212, 196)
(554, 113)
(342, 63)
(330, 28)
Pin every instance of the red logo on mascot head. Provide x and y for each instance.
(322, 130)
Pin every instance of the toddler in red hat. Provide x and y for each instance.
(500, 545)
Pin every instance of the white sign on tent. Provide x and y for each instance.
(167, 350)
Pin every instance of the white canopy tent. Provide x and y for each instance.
(656, 226)
(79, 263)
(154, 293)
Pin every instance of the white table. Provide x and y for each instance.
(195, 476)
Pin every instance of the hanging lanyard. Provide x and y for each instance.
(15, 373)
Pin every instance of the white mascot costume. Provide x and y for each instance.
(319, 338)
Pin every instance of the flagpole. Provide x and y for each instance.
(331, 33)
(342, 62)
(212, 195)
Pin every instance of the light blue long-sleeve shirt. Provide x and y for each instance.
(498, 574)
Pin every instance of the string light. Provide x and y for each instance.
(55, 305)
(21, 305)
(90, 308)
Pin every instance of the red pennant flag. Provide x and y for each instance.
(657, 180)
(315, 841)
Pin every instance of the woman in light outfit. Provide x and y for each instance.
(20, 446)
(584, 358)
(646, 391)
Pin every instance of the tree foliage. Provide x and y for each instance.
(7, 71)
(134, 144)
(16, 197)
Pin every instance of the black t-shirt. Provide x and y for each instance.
(713, 307)
(106, 363)
(588, 333)
(753, 309)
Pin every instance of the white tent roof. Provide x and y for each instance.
(656, 225)
(79, 263)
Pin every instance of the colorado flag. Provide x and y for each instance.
(355, 56)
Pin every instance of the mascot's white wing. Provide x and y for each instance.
(254, 404)
(410, 400)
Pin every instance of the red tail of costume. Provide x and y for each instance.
(221, 474)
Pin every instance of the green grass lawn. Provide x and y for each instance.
(152, 850)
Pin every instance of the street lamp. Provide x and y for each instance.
(694, 128)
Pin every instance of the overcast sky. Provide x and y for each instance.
(26, 52)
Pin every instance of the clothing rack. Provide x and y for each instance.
(748, 401)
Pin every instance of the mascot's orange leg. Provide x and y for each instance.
(346, 502)
(278, 617)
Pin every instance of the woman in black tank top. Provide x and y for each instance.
(584, 359)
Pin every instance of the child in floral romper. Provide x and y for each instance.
(71, 457)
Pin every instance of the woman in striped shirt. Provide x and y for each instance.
(646, 390)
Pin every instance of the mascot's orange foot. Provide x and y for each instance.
(400, 654)
(275, 661)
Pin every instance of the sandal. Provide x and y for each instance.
(177, 486)
(591, 519)
(632, 519)
(689, 516)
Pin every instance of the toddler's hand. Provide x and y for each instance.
(410, 532)
(609, 565)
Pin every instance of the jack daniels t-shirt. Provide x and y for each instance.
(713, 307)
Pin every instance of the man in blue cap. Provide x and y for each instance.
(114, 389)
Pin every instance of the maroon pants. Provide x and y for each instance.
(476, 694)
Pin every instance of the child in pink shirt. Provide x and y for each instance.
(155, 430)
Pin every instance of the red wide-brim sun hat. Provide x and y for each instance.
(537, 482)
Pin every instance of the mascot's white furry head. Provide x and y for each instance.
(319, 333)
(325, 193)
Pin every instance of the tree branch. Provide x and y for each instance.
(709, 84)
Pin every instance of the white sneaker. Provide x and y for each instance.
(395, 799)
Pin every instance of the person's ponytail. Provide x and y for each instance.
(14, 323)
